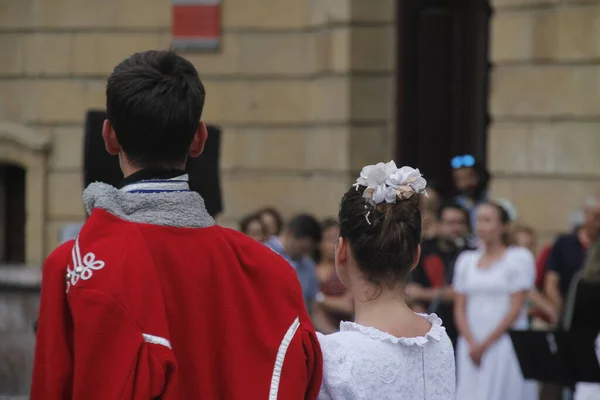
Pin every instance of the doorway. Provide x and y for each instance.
(12, 214)
(442, 84)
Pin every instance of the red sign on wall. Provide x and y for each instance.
(196, 24)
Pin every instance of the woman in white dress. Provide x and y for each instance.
(491, 285)
(389, 352)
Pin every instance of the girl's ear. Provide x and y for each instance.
(341, 248)
(417, 258)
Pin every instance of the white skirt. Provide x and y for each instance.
(498, 377)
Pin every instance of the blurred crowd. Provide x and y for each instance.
(567, 271)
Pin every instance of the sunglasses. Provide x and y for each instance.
(465, 161)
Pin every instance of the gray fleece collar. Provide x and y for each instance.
(182, 209)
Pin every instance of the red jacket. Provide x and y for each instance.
(137, 310)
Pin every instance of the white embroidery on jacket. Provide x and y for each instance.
(285, 343)
(157, 340)
(82, 267)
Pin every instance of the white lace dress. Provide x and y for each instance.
(363, 363)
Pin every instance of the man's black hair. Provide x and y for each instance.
(154, 101)
(305, 226)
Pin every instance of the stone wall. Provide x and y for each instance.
(545, 103)
(54, 58)
(302, 88)
(304, 93)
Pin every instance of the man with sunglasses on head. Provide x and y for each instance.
(470, 180)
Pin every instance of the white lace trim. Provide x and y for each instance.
(285, 343)
(82, 267)
(435, 333)
(157, 340)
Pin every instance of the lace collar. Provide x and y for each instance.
(435, 333)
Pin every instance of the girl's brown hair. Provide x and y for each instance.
(384, 239)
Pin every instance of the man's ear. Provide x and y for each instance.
(197, 146)
(417, 258)
(110, 139)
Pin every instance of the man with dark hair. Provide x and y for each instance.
(297, 242)
(153, 299)
(429, 288)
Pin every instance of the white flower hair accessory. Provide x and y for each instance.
(385, 183)
(510, 209)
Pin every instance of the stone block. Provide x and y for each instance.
(52, 100)
(328, 149)
(372, 98)
(370, 145)
(545, 91)
(60, 101)
(373, 11)
(11, 54)
(373, 48)
(579, 29)
(255, 54)
(48, 53)
(523, 35)
(565, 33)
(66, 152)
(265, 14)
(264, 149)
(331, 50)
(94, 95)
(564, 148)
(17, 13)
(327, 12)
(99, 53)
(64, 195)
(18, 101)
(153, 14)
(330, 99)
(499, 4)
(509, 147)
(75, 13)
(148, 14)
(268, 101)
(291, 193)
(281, 150)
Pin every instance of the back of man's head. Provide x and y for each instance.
(154, 101)
(305, 226)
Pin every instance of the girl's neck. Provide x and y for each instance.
(388, 313)
(494, 248)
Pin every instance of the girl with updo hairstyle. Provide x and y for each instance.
(388, 351)
(492, 285)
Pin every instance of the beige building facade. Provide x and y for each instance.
(305, 93)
